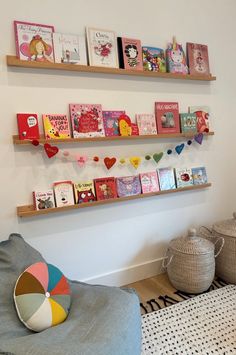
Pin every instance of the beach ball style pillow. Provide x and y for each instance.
(42, 296)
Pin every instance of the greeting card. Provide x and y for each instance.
(64, 194)
(128, 186)
(198, 60)
(183, 177)
(56, 126)
(110, 122)
(28, 127)
(149, 182)
(43, 199)
(166, 178)
(202, 113)
(188, 123)
(146, 124)
(199, 175)
(105, 188)
(69, 48)
(84, 192)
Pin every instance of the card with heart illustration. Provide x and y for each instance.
(128, 186)
(105, 188)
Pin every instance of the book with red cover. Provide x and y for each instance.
(198, 60)
(86, 120)
(167, 117)
(130, 53)
(28, 127)
(105, 188)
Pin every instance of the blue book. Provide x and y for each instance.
(199, 175)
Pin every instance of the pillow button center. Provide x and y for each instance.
(47, 294)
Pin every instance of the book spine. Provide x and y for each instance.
(120, 53)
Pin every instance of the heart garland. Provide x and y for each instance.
(135, 161)
(81, 160)
(109, 162)
(157, 157)
(50, 150)
(198, 138)
(179, 148)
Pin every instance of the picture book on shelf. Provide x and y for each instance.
(84, 192)
(188, 122)
(183, 177)
(28, 127)
(86, 120)
(130, 53)
(167, 117)
(134, 129)
(105, 188)
(69, 48)
(166, 178)
(154, 59)
(146, 123)
(43, 199)
(64, 194)
(128, 186)
(176, 59)
(34, 41)
(110, 122)
(149, 182)
(56, 126)
(125, 125)
(199, 175)
(202, 113)
(198, 60)
(102, 47)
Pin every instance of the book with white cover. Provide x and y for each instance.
(69, 48)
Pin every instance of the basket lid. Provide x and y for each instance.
(192, 244)
(227, 227)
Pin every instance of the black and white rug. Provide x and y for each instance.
(204, 324)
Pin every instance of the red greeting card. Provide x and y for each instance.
(28, 127)
(105, 188)
(167, 117)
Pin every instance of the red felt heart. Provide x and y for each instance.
(50, 150)
(109, 162)
(35, 142)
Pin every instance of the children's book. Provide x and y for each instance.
(198, 60)
(28, 127)
(188, 122)
(176, 59)
(64, 194)
(166, 178)
(167, 117)
(43, 199)
(128, 186)
(69, 48)
(125, 125)
(105, 188)
(199, 175)
(183, 177)
(84, 192)
(86, 120)
(56, 126)
(146, 123)
(102, 47)
(154, 59)
(134, 129)
(202, 113)
(130, 53)
(34, 41)
(110, 122)
(149, 182)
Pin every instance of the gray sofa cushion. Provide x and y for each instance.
(102, 320)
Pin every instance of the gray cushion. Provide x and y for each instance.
(102, 320)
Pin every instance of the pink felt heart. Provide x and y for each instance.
(81, 160)
(50, 150)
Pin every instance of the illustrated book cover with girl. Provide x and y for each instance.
(43, 199)
(102, 47)
(111, 123)
(202, 113)
(34, 41)
(154, 59)
(130, 53)
(86, 120)
(105, 188)
(166, 178)
(28, 127)
(84, 192)
(167, 117)
(56, 126)
(183, 177)
(149, 182)
(128, 186)
(198, 60)
(64, 193)
(146, 123)
(69, 48)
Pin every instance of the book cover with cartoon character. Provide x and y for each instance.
(154, 59)
(183, 177)
(130, 53)
(105, 188)
(84, 192)
(56, 126)
(167, 117)
(64, 194)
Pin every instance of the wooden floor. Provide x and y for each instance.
(153, 287)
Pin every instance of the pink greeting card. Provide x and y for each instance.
(149, 182)
(110, 122)
(146, 123)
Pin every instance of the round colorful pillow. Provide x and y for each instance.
(42, 296)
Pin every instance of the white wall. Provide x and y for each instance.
(101, 243)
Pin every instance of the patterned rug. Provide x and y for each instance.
(163, 301)
(205, 324)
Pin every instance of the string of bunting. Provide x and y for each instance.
(109, 162)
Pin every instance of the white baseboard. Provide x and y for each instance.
(128, 275)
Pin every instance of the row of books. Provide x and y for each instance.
(89, 120)
(65, 193)
(38, 42)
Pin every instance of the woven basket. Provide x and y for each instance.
(226, 262)
(190, 263)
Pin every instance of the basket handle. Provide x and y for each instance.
(165, 265)
(220, 239)
(209, 232)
